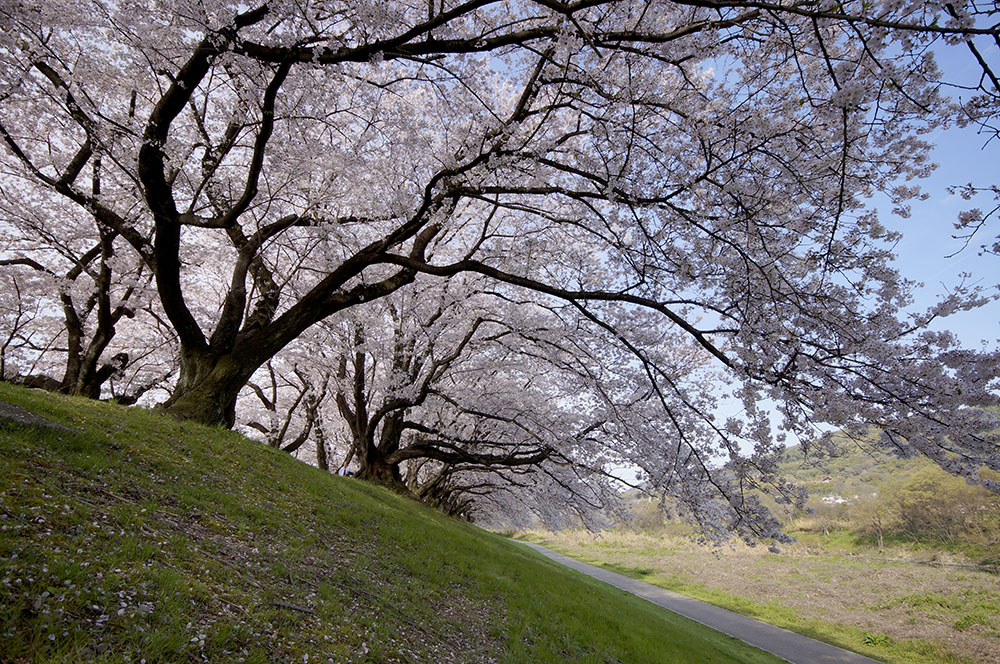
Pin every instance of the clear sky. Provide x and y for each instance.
(929, 252)
(923, 254)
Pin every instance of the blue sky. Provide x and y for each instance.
(927, 252)
(923, 254)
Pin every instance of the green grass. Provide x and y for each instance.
(136, 537)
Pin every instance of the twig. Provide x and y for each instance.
(293, 607)
(234, 605)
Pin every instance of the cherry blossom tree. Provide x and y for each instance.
(23, 321)
(453, 391)
(81, 270)
(684, 166)
(289, 403)
(972, 222)
(407, 371)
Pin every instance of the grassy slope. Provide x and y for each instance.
(134, 536)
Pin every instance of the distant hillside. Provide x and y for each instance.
(854, 473)
(128, 537)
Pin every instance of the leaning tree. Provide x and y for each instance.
(465, 395)
(703, 166)
(448, 390)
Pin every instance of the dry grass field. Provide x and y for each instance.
(892, 606)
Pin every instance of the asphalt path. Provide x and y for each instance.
(787, 645)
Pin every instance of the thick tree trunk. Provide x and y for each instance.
(375, 464)
(375, 469)
(208, 386)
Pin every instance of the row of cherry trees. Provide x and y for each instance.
(493, 251)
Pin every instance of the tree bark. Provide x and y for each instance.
(375, 469)
(208, 385)
(322, 458)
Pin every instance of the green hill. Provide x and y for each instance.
(872, 498)
(854, 473)
(129, 537)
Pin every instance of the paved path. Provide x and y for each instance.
(787, 645)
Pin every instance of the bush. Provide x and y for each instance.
(931, 506)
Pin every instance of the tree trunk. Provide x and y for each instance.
(89, 377)
(322, 459)
(208, 386)
(375, 469)
(74, 347)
